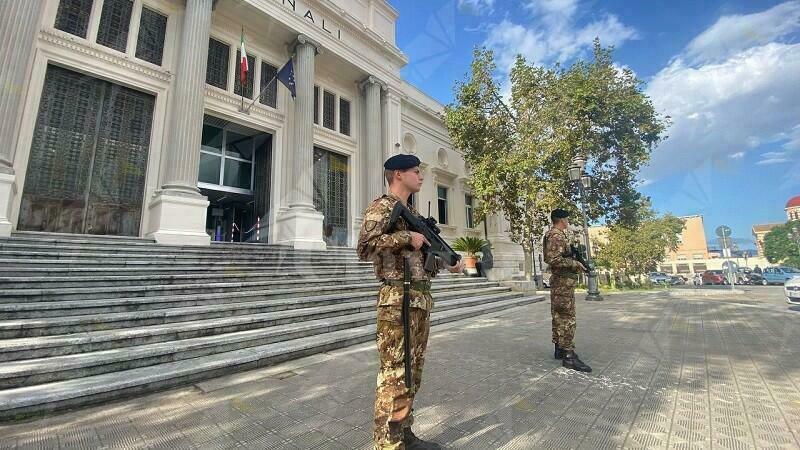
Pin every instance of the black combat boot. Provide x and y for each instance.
(559, 353)
(412, 442)
(571, 361)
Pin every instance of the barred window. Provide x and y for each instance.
(344, 116)
(152, 31)
(316, 105)
(270, 94)
(217, 70)
(115, 21)
(237, 83)
(73, 16)
(468, 202)
(328, 102)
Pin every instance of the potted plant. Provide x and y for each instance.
(470, 245)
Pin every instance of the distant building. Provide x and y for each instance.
(793, 208)
(759, 231)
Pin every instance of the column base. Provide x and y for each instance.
(300, 228)
(178, 219)
(8, 189)
(508, 260)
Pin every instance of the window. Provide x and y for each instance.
(328, 102)
(411, 200)
(226, 158)
(217, 71)
(697, 256)
(115, 21)
(681, 257)
(237, 84)
(344, 116)
(468, 203)
(683, 268)
(700, 267)
(442, 203)
(73, 16)
(152, 31)
(316, 105)
(270, 95)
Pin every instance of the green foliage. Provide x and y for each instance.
(518, 150)
(469, 244)
(780, 247)
(634, 250)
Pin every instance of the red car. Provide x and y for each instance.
(714, 277)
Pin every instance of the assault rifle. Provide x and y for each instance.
(426, 227)
(578, 253)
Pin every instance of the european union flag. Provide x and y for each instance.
(286, 76)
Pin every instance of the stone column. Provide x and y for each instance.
(373, 150)
(178, 210)
(19, 25)
(394, 122)
(300, 225)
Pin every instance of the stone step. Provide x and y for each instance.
(342, 304)
(13, 266)
(37, 307)
(117, 257)
(67, 344)
(67, 282)
(11, 245)
(99, 270)
(39, 399)
(47, 236)
(62, 294)
(44, 370)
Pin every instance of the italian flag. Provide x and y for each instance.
(243, 67)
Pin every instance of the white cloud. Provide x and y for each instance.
(737, 155)
(734, 33)
(553, 34)
(720, 108)
(476, 7)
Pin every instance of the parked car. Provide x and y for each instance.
(778, 275)
(714, 277)
(792, 290)
(677, 280)
(753, 278)
(659, 278)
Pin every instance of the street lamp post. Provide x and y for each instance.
(584, 181)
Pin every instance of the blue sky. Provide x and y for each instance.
(727, 72)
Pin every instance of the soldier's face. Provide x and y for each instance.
(411, 179)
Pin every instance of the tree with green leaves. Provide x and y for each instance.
(519, 149)
(780, 246)
(638, 249)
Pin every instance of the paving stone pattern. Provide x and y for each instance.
(668, 373)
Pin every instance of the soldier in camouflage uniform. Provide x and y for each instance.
(386, 250)
(564, 276)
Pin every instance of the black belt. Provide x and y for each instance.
(418, 285)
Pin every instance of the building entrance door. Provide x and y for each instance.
(330, 195)
(88, 159)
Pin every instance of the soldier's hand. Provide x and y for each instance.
(457, 268)
(584, 268)
(417, 240)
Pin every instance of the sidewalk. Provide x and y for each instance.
(668, 373)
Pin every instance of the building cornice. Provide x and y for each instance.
(259, 110)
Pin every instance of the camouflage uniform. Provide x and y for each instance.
(564, 277)
(393, 402)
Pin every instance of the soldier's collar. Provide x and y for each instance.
(394, 196)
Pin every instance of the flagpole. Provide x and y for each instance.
(247, 111)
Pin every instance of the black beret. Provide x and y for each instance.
(401, 162)
(559, 214)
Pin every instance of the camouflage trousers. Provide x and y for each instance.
(393, 402)
(562, 307)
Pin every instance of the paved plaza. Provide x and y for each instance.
(669, 372)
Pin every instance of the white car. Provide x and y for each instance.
(792, 290)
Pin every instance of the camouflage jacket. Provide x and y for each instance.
(556, 254)
(387, 250)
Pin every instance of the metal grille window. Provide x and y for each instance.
(316, 105)
(344, 116)
(152, 31)
(270, 95)
(115, 21)
(237, 84)
(468, 203)
(73, 16)
(330, 194)
(217, 70)
(442, 203)
(328, 102)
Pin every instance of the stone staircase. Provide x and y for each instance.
(91, 319)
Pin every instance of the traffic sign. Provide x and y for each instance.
(723, 231)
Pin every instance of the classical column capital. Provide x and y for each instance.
(302, 39)
(372, 79)
(394, 92)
